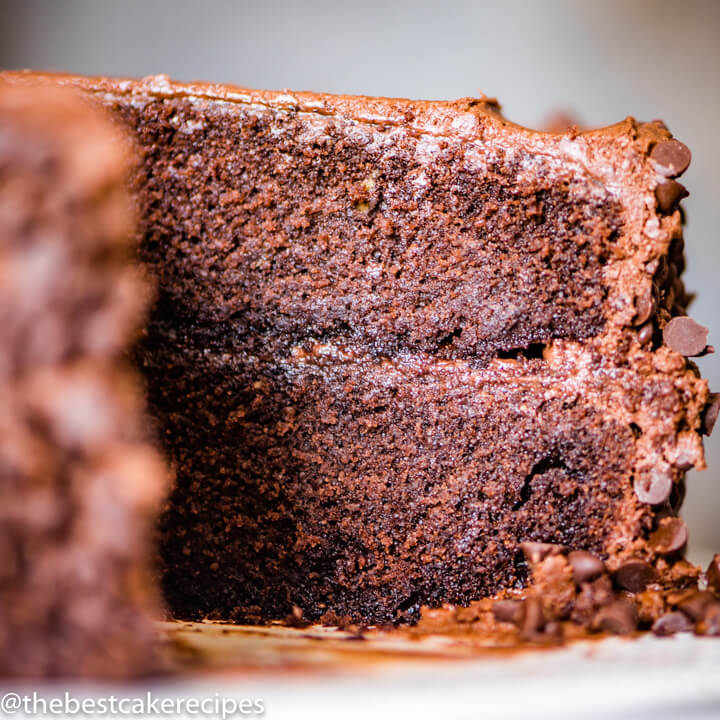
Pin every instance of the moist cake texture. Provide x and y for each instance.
(395, 340)
(370, 487)
(79, 482)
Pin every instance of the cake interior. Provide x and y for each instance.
(370, 488)
(301, 227)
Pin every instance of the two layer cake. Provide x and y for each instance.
(395, 340)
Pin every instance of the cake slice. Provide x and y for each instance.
(79, 481)
(396, 341)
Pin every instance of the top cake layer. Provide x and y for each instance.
(427, 226)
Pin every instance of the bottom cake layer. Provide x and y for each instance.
(344, 485)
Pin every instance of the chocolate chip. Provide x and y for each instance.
(533, 620)
(635, 575)
(710, 623)
(685, 459)
(645, 333)
(662, 270)
(671, 158)
(676, 253)
(713, 574)
(677, 496)
(668, 194)
(592, 596)
(695, 605)
(710, 414)
(670, 536)
(618, 618)
(671, 623)
(684, 335)
(510, 611)
(644, 306)
(585, 566)
(535, 552)
(653, 486)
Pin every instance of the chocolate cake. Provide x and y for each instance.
(79, 483)
(396, 341)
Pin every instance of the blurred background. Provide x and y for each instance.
(600, 60)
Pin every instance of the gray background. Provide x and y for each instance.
(603, 60)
